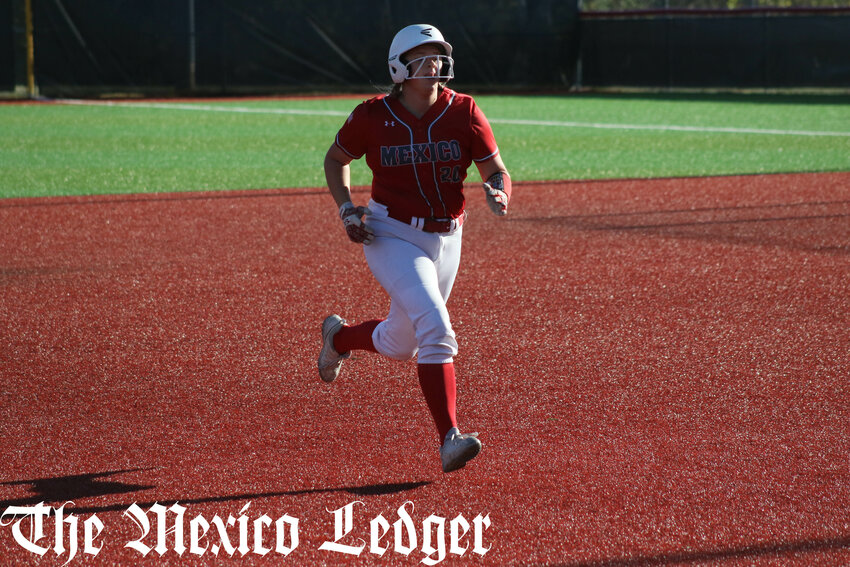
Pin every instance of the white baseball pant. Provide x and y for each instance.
(418, 270)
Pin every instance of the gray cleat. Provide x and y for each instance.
(330, 361)
(458, 449)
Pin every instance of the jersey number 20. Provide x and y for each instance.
(450, 174)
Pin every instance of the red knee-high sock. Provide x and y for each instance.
(357, 337)
(440, 390)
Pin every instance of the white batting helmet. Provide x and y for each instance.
(414, 36)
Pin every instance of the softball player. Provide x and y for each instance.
(418, 141)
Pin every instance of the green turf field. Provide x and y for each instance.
(70, 149)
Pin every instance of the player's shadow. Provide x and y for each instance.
(746, 553)
(761, 225)
(63, 489)
(59, 490)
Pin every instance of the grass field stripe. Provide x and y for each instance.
(669, 127)
(517, 122)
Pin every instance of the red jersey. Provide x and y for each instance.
(419, 164)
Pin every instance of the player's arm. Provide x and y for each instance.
(497, 184)
(338, 176)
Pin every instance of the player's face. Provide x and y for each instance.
(424, 61)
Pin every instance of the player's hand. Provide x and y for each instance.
(356, 230)
(497, 199)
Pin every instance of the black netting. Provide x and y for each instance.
(7, 48)
(731, 50)
(297, 45)
(134, 44)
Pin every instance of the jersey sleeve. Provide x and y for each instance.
(483, 141)
(352, 137)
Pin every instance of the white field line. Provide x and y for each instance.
(672, 128)
(551, 123)
(204, 107)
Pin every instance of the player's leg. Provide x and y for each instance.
(457, 449)
(398, 339)
(419, 284)
(437, 379)
(417, 317)
(436, 342)
(418, 271)
(356, 337)
(338, 340)
(435, 367)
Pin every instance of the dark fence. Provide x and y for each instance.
(765, 49)
(7, 49)
(231, 46)
(239, 46)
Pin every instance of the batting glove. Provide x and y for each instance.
(352, 220)
(498, 192)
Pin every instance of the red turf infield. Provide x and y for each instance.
(658, 369)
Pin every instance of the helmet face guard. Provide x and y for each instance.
(414, 36)
(445, 71)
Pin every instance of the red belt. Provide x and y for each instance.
(430, 224)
